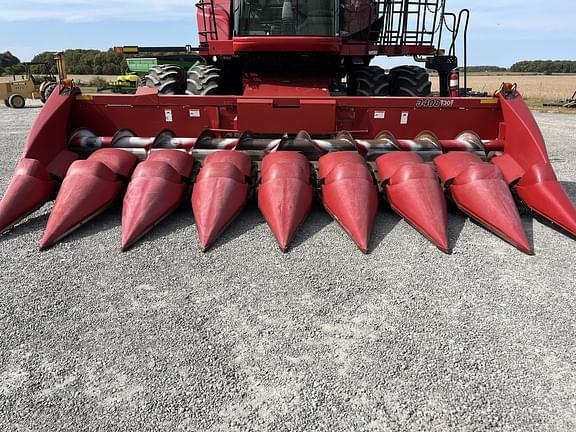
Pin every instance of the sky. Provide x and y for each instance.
(501, 32)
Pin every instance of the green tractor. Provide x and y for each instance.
(157, 70)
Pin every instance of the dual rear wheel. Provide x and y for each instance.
(406, 81)
(202, 79)
(167, 79)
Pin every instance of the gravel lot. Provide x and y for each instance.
(323, 338)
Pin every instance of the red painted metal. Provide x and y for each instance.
(44, 160)
(354, 49)
(538, 187)
(349, 194)
(158, 187)
(89, 188)
(479, 190)
(285, 195)
(283, 115)
(540, 190)
(511, 171)
(365, 117)
(213, 18)
(294, 87)
(311, 44)
(215, 21)
(414, 193)
(316, 115)
(47, 141)
(503, 125)
(220, 193)
(30, 188)
(276, 44)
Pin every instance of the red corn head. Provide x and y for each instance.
(502, 126)
(285, 195)
(525, 159)
(479, 190)
(413, 191)
(44, 160)
(157, 188)
(90, 187)
(349, 194)
(220, 192)
(541, 191)
(30, 188)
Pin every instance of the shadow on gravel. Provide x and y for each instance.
(385, 222)
(109, 219)
(553, 226)
(456, 221)
(180, 219)
(527, 214)
(528, 223)
(30, 225)
(316, 221)
(246, 221)
(570, 188)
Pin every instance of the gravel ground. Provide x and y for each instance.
(323, 338)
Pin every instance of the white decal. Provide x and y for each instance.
(404, 118)
(168, 116)
(379, 114)
(194, 113)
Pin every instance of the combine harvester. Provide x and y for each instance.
(288, 106)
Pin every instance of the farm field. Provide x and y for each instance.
(544, 87)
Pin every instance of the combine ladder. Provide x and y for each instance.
(210, 31)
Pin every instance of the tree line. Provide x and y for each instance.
(531, 66)
(88, 62)
(9, 61)
(486, 69)
(545, 66)
(78, 62)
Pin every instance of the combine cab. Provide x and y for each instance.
(287, 105)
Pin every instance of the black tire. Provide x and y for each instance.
(167, 79)
(411, 81)
(369, 81)
(48, 91)
(203, 80)
(6, 103)
(16, 101)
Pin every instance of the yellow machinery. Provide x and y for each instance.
(127, 80)
(15, 92)
(123, 84)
